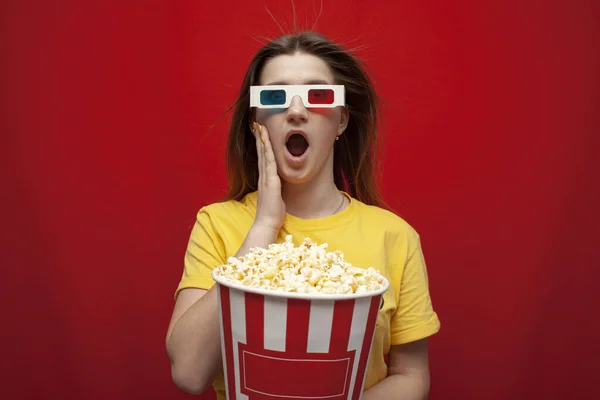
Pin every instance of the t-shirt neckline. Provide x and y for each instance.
(321, 223)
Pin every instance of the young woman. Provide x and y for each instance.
(302, 163)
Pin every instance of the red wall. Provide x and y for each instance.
(492, 139)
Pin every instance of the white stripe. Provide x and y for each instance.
(357, 334)
(222, 340)
(319, 326)
(362, 386)
(238, 329)
(275, 323)
(238, 314)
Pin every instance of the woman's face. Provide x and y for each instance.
(302, 138)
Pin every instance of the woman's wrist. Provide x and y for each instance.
(258, 236)
(263, 234)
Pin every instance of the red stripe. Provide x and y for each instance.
(343, 310)
(255, 320)
(296, 333)
(340, 329)
(228, 339)
(366, 346)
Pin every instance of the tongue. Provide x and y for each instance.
(297, 145)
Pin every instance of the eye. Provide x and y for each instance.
(320, 96)
(272, 97)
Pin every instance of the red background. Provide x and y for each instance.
(491, 154)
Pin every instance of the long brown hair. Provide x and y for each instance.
(356, 155)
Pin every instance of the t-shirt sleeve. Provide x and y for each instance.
(414, 318)
(205, 252)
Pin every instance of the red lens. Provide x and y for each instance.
(320, 96)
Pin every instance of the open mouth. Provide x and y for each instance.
(296, 145)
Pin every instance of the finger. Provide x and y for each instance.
(259, 150)
(270, 163)
(262, 141)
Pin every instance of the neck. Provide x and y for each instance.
(312, 199)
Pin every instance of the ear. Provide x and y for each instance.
(343, 121)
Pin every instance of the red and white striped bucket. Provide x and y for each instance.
(279, 345)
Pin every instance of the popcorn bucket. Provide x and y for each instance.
(278, 345)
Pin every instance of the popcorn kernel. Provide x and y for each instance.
(308, 268)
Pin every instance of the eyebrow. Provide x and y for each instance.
(311, 82)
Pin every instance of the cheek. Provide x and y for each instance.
(326, 112)
(328, 119)
(272, 120)
(323, 145)
(263, 115)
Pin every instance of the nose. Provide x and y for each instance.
(297, 112)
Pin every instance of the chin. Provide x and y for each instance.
(295, 177)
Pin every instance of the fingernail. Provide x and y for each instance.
(262, 139)
(254, 125)
(260, 128)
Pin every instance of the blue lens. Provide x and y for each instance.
(272, 97)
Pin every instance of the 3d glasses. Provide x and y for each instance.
(313, 96)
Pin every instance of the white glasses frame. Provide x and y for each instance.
(291, 91)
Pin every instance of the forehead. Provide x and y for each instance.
(296, 69)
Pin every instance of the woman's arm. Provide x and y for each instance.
(193, 338)
(408, 374)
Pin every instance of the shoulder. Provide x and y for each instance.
(229, 210)
(228, 207)
(396, 230)
(384, 218)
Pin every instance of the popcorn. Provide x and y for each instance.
(308, 268)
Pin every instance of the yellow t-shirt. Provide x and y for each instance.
(367, 235)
